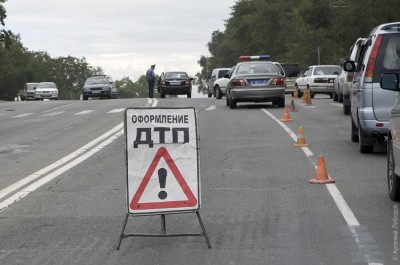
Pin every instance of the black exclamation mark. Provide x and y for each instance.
(162, 178)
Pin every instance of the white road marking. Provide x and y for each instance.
(53, 113)
(84, 112)
(22, 115)
(57, 108)
(212, 107)
(341, 203)
(116, 110)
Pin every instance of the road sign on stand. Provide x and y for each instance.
(162, 165)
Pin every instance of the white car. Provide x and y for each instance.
(220, 85)
(46, 90)
(319, 79)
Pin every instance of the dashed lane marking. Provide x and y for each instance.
(116, 110)
(212, 107)
(22, 115)
(84, 112)
(53, 113)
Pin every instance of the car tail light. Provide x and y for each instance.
(238, 82)
(278, 82)
(187, 82)
(369, 72)
(162, 82)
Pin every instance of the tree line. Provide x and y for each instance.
(294, 31)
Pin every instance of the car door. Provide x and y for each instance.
(302, 81)
(395, 130)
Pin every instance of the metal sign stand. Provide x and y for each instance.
(163, 231)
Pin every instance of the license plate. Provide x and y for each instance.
(174, 83)
(258, 82)
(96, 91)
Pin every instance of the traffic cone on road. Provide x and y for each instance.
(292, 107)
(301, 142)
(308, 101)
(286, 117)
(321, 175)
(305, 96)
(295, 93)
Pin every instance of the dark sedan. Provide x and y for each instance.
(175, 83)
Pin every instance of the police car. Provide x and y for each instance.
(255, 79)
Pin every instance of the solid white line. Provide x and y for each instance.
(17, 185)
(21, 194)
(332, 188)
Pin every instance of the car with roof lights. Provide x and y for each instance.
(318, 79)
(46, 90)
(175, 83)
(370, 104)
(255, 79)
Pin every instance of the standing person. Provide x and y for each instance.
(151, 79)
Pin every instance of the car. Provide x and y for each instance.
(390, 81)
(100, 86)
(346, 78)
(318, 79)
(292, 72)
(220, 85)
(371, 105)
(338, 85)
(28, 92)
(216, 73)
(46, 90)
(175, 83)
(255, 79)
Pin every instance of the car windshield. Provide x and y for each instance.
(47, 85)
(176, 75)
(327, 70)
(96, 80)
(256, 68)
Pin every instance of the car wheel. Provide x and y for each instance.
(162, 94)
(218, 93)
(354, 132)
(232, 103)
(281, 102)
(335, 96)
(227, 100)
(85, 97)
(393, 179)
(209, 95)
(312, 94)
(363, 148)
(340, 98)
(189, 95)
(346, 109)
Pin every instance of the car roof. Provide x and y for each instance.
(390, 27)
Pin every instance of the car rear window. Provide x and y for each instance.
(387, 60)
(221, 73)
(291, 70)
(256, 68)
(327, 70)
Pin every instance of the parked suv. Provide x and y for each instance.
(99, 86)
(216, 73)
(390, 81)
(345, 86)
(370, 104)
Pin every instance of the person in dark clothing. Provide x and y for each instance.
(151, 79)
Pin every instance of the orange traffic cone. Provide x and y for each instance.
(286, 117)
(321, 175)
(301, 142)
(295, 93)
(308, 101)
(292, 107)
(305, 96)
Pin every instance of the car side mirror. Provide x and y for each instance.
(349, 66)
(390, 81)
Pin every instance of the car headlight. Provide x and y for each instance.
(86, 89)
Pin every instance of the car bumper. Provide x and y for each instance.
(322, 89)
(98, 93)
(246, 94)
(43, 96)
(177, 90)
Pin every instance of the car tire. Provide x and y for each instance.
(354, 132)
(392, 178)
(362, 147)
(217, 92)
(346, 109)
(210, 95)
(335, 96)
(232, 103)
(227, 100)
(85, 97)
(280, 102)
(162, 95)
(340, 98)
(189, 95)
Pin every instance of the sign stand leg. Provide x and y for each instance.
(203, 229)
(123, 230)
(163, 231)
(163, 228)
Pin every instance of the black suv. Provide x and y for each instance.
(99, 86)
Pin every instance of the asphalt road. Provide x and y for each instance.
(257, 205)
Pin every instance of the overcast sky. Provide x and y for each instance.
(124, 37)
